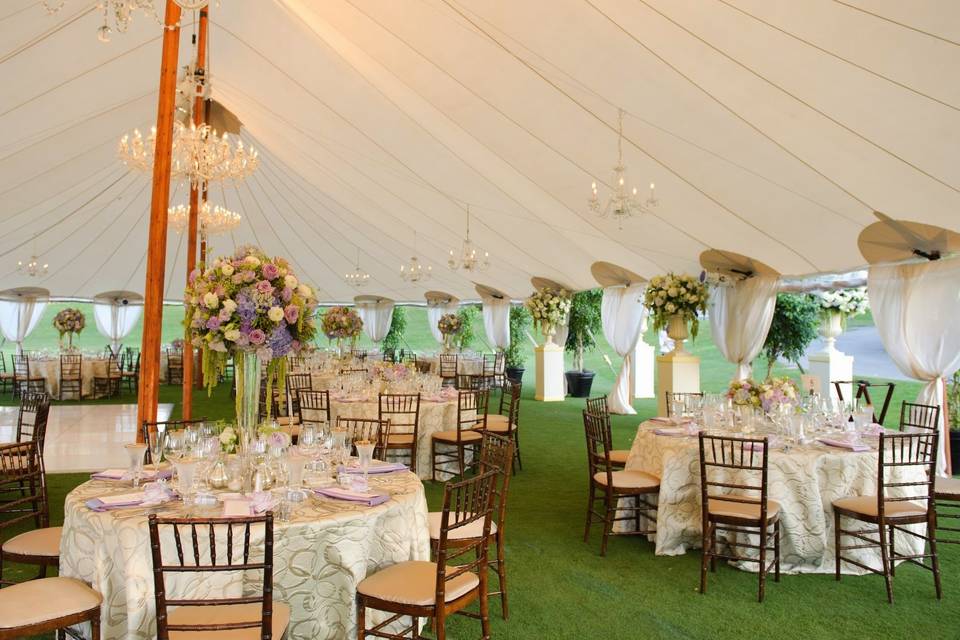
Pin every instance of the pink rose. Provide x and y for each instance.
(291, 313)
(264, 287)
(257, 336)
(270, 271)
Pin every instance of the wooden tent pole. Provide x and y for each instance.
(198, 379)
(149, 391)
(195, 188)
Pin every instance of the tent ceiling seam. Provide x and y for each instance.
(899, 24)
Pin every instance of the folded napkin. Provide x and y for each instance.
(660, 420)
(152, 494)
(370, 498)
(240, 506)
(125, 474)
(845, 444)
(674, 432)
(376, 467)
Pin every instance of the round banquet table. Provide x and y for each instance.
(49, 370)
(465, 366)
(319, 556)
(805, 480)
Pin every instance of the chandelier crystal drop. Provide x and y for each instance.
(358, 277)
(211, 220)
(413, 271)
(199, 154)
(623, 203)
(472, 257)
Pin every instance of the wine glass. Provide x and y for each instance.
(186, 472)
(295, 464)
(365, 453)
(156, 452)
(136, 450)
(173, 446)
(192, 437)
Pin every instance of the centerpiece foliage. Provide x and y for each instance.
(69, 321)
(676, 295)
(450, 325)
(845, 302)
(793, 328)
(339, 323)
(549, 309)
(768, 395)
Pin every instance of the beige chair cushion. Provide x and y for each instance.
(619, 456)
(500, 426)
(467, 435)
(629, 480)
(472, 530)
(222, 613)
(287, 420)
(948, 488)
(742, 510)
(414, 583)
(400, 439)
(38, 542)
(867, 505)
(42, 600)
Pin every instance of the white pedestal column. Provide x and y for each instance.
(550, 380)
(831, 363)
(641, 371)
(676, 372)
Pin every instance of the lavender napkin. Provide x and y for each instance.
(151, 494)
(375, 468)
(845, 444)
(124, 474)
(660, 420)
(371, 499)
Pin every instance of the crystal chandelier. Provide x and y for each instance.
(413, 271)
(32, 267)
(472, 257)
(122, 12)
(211, 220)
(622, 203)
(199, 154)
(358, 277)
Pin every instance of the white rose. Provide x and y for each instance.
(230, 305)
(210, 300)
(290, 281)
(232, 334)
(305, 291)
(226, 269)
(253, 261)
(227, 436)
(275, 314)
(671, 307)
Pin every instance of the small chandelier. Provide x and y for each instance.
(32, 267)
(122, 12)
(472, 257)
(358, 277)
(622, 203)
(413, 271)
(211, 220)
(199, 154)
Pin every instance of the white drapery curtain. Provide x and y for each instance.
(435, 311)
(115, 318)
(915, 308)
(623, 316)
(496, 321)
(19, 315)
(377, 316)
(740, 317)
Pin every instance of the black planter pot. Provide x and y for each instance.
(955, 449)
(579, 383)
(515, 374)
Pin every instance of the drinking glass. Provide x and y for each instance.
(365, 453)
(136, 451)
(192, 437)
(295, 466)
(173, 446)
(186, 472)
(156, 452)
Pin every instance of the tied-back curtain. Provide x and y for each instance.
(437, 311)
(623, 316)
(19, 317)
(377, 317)
(496, 321)
(740, 317)
(116, 320)
(915, 308)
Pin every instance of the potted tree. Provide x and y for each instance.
(953, 403)
(514, 353)
(794, 327)
(583, 324)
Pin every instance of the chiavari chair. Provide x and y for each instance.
(174, 366)
(598, 407)
(403, 412)
(71, 380)
(109, 385)
(297, 382)
(408, 357)
(23, 381)
(437, 590)
(371, 429)
(506, 421)
(32, 417)
(131, 374)
(6, 377)
(314, 408)
(448, 367)
(451, 447)
(678, 396)
(899, 502)
(863, 392)
(359, 354)
(389, 355)
(149, 430)
(914, 417)
(210, 546)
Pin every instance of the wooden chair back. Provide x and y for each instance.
(297, 382)
(598, 406)
(510, 402)
(685, 397)
(372, 429)
(151, 429)
(919, 416)
(389, 355)
(496, 454)
(449, 365)
(70, 367)
(472, 410)
(359, 354)
(174, 366)
(32, 418)
(211, 546)
(314, 407)
(864, 389)
(597, 431)
(734, 470)
(21, 366)
(347, 372)
(409, 357)
(402, 410)
(906, 451)
(23, 489)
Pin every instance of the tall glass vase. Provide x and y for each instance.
(246, 366)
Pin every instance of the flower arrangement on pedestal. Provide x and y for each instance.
(549, 309)
(250, 307)
(449, 327)
(340, 323)
(769, 395)
(673, 301)
(67, 322)
(835, 308)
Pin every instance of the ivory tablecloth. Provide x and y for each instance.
(49, 370)
(465, 366)
(320, 556)
(805, 481)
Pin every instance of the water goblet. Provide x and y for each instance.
(186, 473)
(136, 451)
(156, 452)
(295, 466)
(365, 453)
(173, 446)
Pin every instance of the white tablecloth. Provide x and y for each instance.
(320, 556)
(805, 481)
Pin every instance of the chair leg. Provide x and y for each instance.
(441, 625)
(836, 543)
(893, 553)
(95, 627)
(361, 618)
(611, 507)
(433, 457)
(935, 560)
(590, 501)
(502, 574)
(484, 602)
(885, 560)
(516, 439)
(776, 551)
(763, 563)
(704, 556)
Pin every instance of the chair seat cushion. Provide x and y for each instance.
(499, 424)
(43, 543)
(619, 456)
(629, 480)
(400, 439)
(223, 613)
(414, 583)
(867, 506)
(287, 420)
(742, 510)
(466, 435)
(466, 532)
(37, 601)
(948, 488)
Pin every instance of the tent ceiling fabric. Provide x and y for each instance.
(438, 298)
(539, 283)
(734, 265)
(895, 240)
(771, 128)
(610, 275)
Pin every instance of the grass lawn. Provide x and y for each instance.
(560, 587)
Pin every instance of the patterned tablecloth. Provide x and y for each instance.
(804, 480)
(49, 370)
(465, 366)
(320, 556)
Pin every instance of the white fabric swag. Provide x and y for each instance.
(623, 314)
(377, 315)
(19, 317)
(740, 317)
(115, 320)
(915, 308)
(496, 321)
(435, 311)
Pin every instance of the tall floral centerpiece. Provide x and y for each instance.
(673, 301)
(835, 308)
(67, 322)
(340, 323)
(449, 326)
(253, 308)
(549, 309)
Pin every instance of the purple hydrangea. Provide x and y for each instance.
(213, 323)
(280, 341)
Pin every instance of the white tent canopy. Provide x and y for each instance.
(20, 310)
(377, 315)
(374, 119)
(116, 314)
